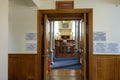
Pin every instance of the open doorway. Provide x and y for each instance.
(65, 43)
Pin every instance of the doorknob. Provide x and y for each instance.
(47, 50)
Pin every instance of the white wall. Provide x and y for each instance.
(47, 4)
(22, 20)
(50, 4)
(105, 19)
(3, 39)
(106, 16)
(37, 2)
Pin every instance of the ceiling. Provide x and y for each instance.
(28, 3)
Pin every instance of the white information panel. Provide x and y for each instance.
(31, 42)
(31, 36)
(103, 46)
(112, 48)
(109, 48)
(99, 36)
(99, 48)
(31, 47)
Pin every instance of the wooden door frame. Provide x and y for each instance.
(40, 50)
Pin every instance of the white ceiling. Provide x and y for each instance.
(28, 3)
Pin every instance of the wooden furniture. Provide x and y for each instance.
(64, 49)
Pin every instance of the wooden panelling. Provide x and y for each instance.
(22, 67)
(106, 67)
(118, 68)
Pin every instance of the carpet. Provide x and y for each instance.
(65, 63)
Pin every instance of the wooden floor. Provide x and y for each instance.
(65, 75)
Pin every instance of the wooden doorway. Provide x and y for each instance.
(44, 16)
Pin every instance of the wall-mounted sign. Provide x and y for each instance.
(64, 4)
(31, 47)
(99, 36)
(101, 47)
(104, 46)
(31, 36)
(112, 48)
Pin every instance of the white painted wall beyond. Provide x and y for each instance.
(3, 39)
(22, 20)
(106, 17)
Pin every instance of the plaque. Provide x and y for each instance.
(64, 4)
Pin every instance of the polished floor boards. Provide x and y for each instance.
(65, 75)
